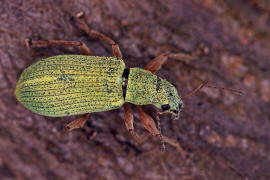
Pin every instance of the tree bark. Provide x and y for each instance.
(224, 135)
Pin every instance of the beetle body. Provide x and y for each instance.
(75, 84)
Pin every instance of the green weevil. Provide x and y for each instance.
(67, 85)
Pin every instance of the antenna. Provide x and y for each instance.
(205, 84)
(227, 89)
(195, 90)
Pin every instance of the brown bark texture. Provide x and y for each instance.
(222, 135)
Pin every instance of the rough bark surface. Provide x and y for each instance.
(225, 136)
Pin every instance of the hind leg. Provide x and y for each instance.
(82, 47)
(77, 123)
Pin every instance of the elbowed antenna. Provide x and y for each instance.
(195, 90)
(238, 92)
(205, 84)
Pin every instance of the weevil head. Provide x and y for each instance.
(145, 88)
(167, 98)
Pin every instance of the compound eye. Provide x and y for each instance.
(165, 107)
(180, 105)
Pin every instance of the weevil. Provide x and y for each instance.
(66, 85)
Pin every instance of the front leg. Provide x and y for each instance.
(150, 126)
(157, 62)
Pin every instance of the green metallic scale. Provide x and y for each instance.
(67, 85)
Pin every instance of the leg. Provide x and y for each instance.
(150, 126)
(175, 144)
(82, 47)
(89, 131)
(77, 123)
(157, 62)
(95, 34)
(129, 120)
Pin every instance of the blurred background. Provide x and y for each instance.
(222, 135)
